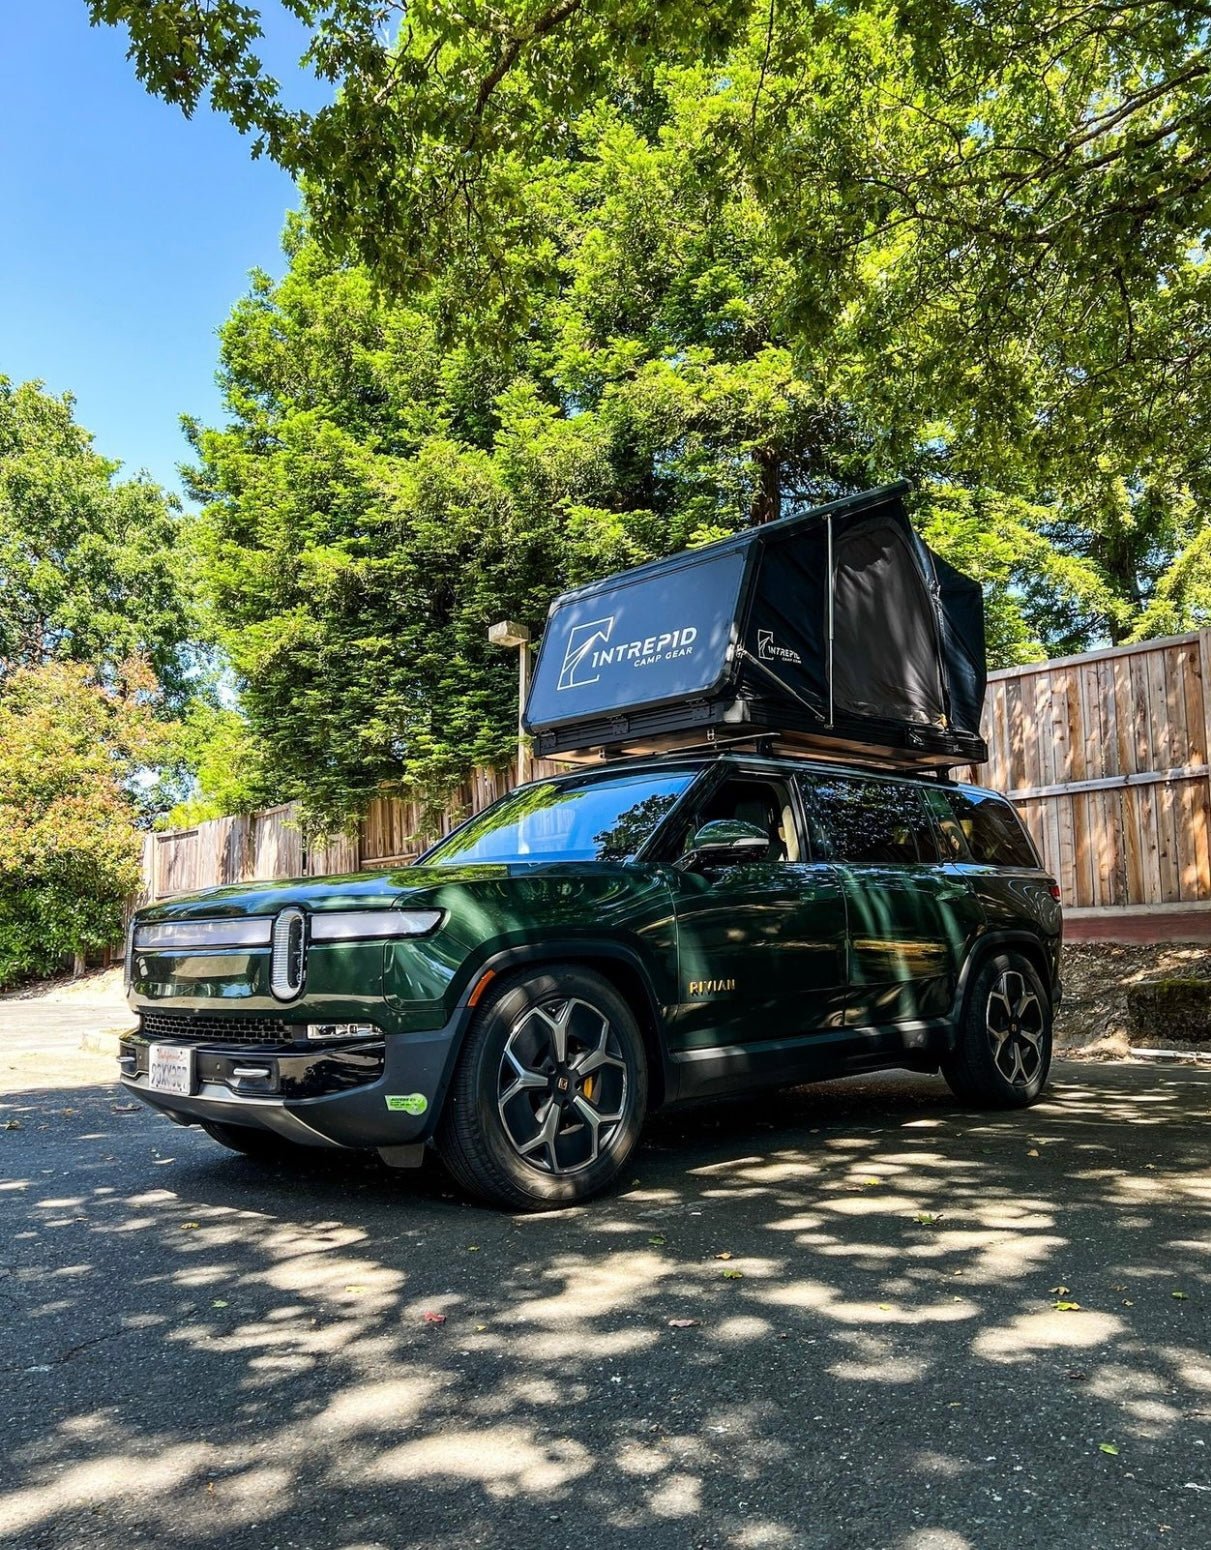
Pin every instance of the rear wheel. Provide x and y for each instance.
(550, 1092)
(263, 1145)
(1004, 1047)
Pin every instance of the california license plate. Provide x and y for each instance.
(170, 1069)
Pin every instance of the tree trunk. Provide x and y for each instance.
(78, 966)
(767, 498)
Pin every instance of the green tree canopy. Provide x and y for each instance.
(580, 283)
(70, 747)
(990, 216)
(88, 570)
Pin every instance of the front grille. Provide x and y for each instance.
(206, 1028)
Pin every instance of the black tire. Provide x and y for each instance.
(263, 1145)
(1003, 1054)
(516, 1128)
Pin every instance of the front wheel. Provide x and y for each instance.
(1003, 1053)
(550, 1091)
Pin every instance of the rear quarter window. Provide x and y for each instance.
(993, 831)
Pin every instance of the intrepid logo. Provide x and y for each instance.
(710, 987)
(589, 649)
(767, 650)
(581, 640)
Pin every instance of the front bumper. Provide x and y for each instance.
(344, 1096)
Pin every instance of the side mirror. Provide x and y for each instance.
(726, 842)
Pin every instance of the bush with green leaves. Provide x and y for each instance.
(71, 748)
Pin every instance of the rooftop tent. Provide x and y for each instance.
(834, 629)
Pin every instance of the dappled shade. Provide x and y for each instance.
(866, 1274)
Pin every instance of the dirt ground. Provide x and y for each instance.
(1092, 1023)
(100, 985)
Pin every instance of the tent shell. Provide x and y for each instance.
(834, 632)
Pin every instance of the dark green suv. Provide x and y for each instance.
(599, 945)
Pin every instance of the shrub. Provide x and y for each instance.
(71, 751)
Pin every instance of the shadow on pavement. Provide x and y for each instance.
(827, 1318)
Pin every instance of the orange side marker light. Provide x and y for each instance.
(475, 995)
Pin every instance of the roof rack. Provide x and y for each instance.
(820, 749)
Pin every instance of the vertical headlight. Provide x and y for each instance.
(128, 963)
(288, 960)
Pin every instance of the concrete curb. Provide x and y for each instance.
(1172, 1056)
(101, 1042)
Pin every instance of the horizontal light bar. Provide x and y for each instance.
(183, 935)
(360, 925)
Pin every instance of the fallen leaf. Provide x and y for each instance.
(656, 1239)
(1066, 1307)
(684, 1323)
(733, 1275)
(1127, 1303)
(925, 1218)
(219, 1302)
(355, 1290)
(13, 1124)
(479, 1328)
(1108, 1447)
(727, 1254)
(190, 1226)
(871, 1183)
(885, 1307)
(1181, 1296)
(124, 1108)
(1060, 1291)
(472, 1248)
(1033, 1152)
(1076, 1375)
(434, 1318)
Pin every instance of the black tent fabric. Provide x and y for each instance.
(835, 626)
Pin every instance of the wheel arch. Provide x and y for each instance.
(620, 965)
(1030, 947)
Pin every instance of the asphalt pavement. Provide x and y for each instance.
(856, 1315)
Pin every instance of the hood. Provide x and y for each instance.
(359, 890)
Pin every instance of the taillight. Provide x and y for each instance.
(1054, 890)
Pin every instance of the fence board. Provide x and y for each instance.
(1110, 768)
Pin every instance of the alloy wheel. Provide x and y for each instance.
(1016, 1023)
(562, 1086)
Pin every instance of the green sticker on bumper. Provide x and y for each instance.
(407, 1103)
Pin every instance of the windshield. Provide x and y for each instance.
(592, 819)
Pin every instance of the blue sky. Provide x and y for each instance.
(128, 231)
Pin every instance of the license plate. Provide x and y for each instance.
(170, 1069)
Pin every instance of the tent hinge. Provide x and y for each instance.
(742, 651)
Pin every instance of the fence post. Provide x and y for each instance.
(1204, 662)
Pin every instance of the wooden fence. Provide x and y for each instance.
(269, 844)
(1106, 756)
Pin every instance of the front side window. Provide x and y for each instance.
(766, 804)
(869, 821)
(993, 831)
(594, 818)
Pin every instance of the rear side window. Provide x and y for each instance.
(993, 831)
(869, 821)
